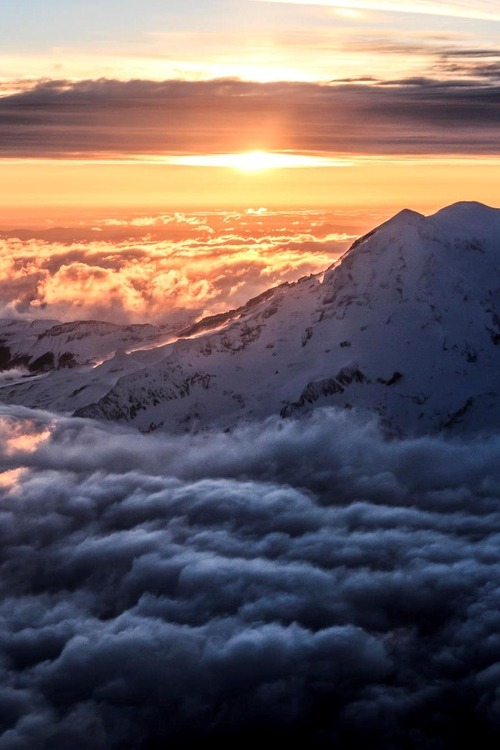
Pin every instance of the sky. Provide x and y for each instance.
(239, 103)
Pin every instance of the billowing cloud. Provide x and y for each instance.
(168, 268)
(145, 119)
(291, 579)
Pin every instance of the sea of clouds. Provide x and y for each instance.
(167, 268)
(306, 580)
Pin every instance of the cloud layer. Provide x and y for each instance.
(117, 119)
(166, 268)
(292, 579)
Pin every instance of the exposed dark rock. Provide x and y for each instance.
(43, 363)
(5, 357)
(327, 387)
(67, 360)
(393, 379)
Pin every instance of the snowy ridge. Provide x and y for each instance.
(48, 364)
(406, 325)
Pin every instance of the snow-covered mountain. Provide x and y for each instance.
(406, 324)
(41, 360)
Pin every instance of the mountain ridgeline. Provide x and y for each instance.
(406, 325)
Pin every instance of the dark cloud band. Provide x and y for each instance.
(119, 119)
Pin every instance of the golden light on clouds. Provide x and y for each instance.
(126, 270)
(22, 437)
(9, 479)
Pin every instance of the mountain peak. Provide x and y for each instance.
(465, 208)
(397, 223)
(468, 216)
(405, 215)
(404, 218)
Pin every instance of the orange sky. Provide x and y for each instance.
(29, 187)
(379, 103)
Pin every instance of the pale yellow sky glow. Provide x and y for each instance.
(75, 65)
(422, 183)
(256, 161)
(282, 57)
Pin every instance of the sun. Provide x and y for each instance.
(256, 161)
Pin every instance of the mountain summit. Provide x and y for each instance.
(406, 324)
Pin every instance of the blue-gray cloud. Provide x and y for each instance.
(304, 580)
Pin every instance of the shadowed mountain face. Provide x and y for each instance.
(406, 324)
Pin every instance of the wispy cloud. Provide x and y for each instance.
(484, 10)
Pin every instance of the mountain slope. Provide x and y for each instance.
(48, 364)
(406, 324)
